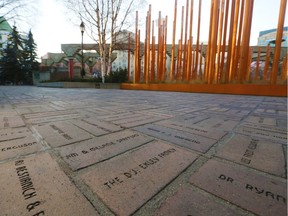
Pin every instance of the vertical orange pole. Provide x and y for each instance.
(139, 56)
(172, 66)
(153, 55)
(184, 75)
(228, 62)
(190, 44)
(238, 49)
(198, 35)
(219, 41)
(128, 69)
(224, 40)
(208, 51)
(136, 69)
(249, 64)
(164, 49)
(267, 62)
(234, 37)
(148, 44)
(213, 42)
(145, 51)
(179, 56)
(246, 39)
(181, 39)
(159, 48)
(257, 64)
(279, 35)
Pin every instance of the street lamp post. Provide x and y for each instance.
(82, 29)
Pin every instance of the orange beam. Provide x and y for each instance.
(198, 35)
(184, 75)
(152, 78)
(172, 66)
(136, 69)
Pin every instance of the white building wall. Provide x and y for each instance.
(122, 61)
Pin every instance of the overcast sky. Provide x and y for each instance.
(53, 27)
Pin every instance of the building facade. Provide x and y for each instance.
(269, 37)
(5, 30)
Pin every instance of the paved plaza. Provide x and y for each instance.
(115, 152)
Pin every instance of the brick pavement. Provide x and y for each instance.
(113, 152)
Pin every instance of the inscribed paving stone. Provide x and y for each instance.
(261, 120)
(49, 114)
(185, 139)
(256, 153)
(11, 122)
(101, 148)
(38, 182)
(126, 182)
(263, 133)
(190, 128)
(22, 146)
(259, 194)
(133, 122)
(218, 123)
(62, 133)
(13, 133)
(54, 118)
(96, 126)
(188, 202)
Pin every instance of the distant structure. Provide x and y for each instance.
(5, 30)
(269, 37)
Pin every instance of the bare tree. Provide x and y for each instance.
(20, 11)
(104, 19)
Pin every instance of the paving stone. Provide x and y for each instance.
(96, 126)
(126, 182)
(38, 118)
(256, 153)
(61, 133)
(14, 133)
(11, 122)
(190, 128)
(17, 147)
(263, 133)
(36, 186)
(218, 123)
(259, 194)
(188, 202)
(185, 139)
(101, 148)
(261, 120)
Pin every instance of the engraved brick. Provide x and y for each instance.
(62, 133)
(189, 202)
(257, 193)
(101, 148)
(95, 126)
(11, 122)
(17, 147)
(37, 185)
(264, 133)
(261, 120)
(185, 139)
(256, 153)
(218, 123)
(13, 133)
(190, 128)
(126, 182)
